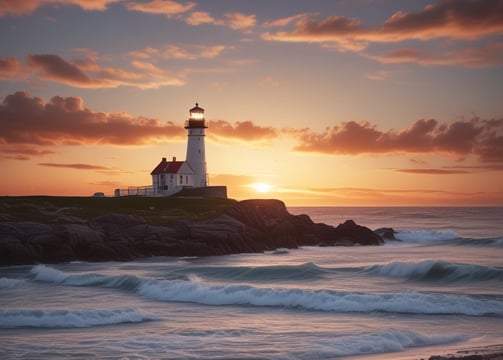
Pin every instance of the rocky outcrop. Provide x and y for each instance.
(250, 226)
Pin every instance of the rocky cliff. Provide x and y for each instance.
(247, 226)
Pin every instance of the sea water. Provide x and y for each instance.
(436, 290)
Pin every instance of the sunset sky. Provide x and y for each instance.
(322, 102)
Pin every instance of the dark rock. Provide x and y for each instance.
(249, 226)
(386, 233)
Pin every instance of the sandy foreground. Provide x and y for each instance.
(493, 352)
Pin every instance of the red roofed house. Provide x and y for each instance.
(169, 177)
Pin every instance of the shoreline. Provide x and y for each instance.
(489, 352)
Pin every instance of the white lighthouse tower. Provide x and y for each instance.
(196, 157)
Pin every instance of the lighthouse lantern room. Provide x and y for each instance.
(196, 157)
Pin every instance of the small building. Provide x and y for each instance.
(170, 177)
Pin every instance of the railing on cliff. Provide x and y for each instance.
(147, 190)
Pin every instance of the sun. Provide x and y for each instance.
(261, 187)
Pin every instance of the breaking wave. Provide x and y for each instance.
(445, 237)
(435, 270)
(382, 342)
(425, 236)
(70, 318)
(195, 290)
(6, 283)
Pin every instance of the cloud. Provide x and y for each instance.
(22, 152)
(9, 67)
(222, 130)
(163, 7)
(449, 19)
(288, 20)
(457, 19)
(75, 166)
(188, 52)
(489, 55)
(240, 21)
(202, 17)
(370, 196)
(24, 7)
(29, 123)
(87, 73)
(431, 171)
(483, 138)
(234, 20)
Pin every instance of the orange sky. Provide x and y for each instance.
(322, 103)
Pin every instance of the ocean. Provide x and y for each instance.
(437, 290)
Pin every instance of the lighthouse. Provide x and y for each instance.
(189, 177)
(196, 157)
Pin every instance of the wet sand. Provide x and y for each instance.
(493, 352)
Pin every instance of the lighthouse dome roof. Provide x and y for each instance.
(197, 109)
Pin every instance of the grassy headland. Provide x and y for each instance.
(155, 210)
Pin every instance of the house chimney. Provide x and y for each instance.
(174, 158)
(163, 159)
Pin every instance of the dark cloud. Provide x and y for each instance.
(483, 138)
(451, 19)
(29, 121)
(56, 68)
(87, 73)
(459, 19)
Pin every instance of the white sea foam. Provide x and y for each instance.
(71, 318)
(381, 342)
(425, 236)
(6, 283)
(435, 270)
(48, 274)
(196, 290)
(324, 300)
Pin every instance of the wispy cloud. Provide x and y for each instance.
(75, 166)
(484, 56)
(234, 20)
(225, 131)
(87, 72)
(186, 52)
(162, 7)
(431, 171)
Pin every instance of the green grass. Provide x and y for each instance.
(155, 210)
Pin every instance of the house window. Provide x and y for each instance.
(181, 179)
(186, 179)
